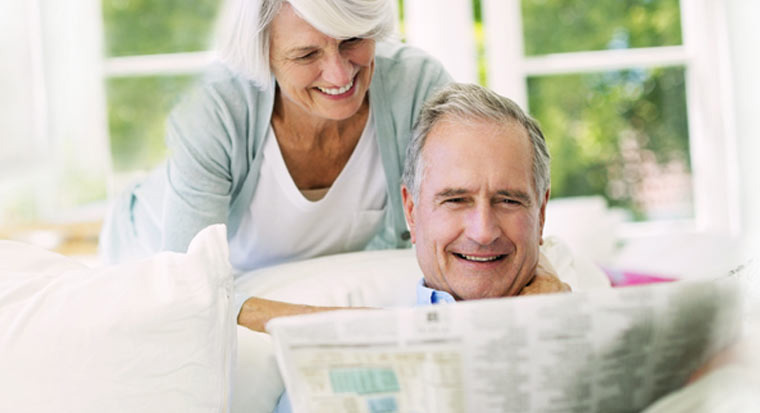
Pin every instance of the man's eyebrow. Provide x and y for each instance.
(517, 194)
(509, 193)
(447, 192)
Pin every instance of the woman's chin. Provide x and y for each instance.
(339, 110)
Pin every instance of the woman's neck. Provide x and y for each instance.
(295, 126)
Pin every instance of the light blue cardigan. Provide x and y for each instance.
(212, 171)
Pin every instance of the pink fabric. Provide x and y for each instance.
(620, 278)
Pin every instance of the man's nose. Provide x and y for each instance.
(483, 225)
(337, 70)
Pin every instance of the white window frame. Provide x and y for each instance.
(712, 144)
(166, 64)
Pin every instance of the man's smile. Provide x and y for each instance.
(480, 258)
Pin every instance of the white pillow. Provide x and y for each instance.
(150, 336)
(385, 278)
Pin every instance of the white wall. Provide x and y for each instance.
(744, 37)
(444, 28)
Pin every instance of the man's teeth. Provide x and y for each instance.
(339, 91)
(480, 259)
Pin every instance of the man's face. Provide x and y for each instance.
(477, 222)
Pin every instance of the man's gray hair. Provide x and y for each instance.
(473, 102)
(243, 28)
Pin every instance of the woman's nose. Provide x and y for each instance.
(337, 70)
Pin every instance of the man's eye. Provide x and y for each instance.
(454, 201)
(509, 201)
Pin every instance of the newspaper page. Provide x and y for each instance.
(606, 350)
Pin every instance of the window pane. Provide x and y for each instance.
(137, 111)
(135, 27)
(622, 134)
(560, 26)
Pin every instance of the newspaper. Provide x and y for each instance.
(601, 351)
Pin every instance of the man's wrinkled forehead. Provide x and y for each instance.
(510, 126)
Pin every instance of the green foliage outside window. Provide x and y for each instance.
(138, 27)
(137, 111)
(560, 26)
(611, 133)
(623, 133)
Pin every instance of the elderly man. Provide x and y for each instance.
(475, 188)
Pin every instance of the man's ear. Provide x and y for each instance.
(542, 216)
(408, 201)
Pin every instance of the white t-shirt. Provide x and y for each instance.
(283, 225)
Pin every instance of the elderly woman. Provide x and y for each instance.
(296, 142)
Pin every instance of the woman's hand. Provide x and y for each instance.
(545, 280)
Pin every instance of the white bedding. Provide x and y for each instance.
(150, 336)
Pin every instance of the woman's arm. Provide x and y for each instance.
(256, 312)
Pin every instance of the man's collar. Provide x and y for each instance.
(427, 296)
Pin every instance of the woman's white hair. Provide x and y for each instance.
(243, 28)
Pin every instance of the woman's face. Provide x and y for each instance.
(321, 75)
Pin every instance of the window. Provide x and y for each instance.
(154, 50)
(623, 131)
(620, 88)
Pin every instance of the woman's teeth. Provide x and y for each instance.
(338, 91)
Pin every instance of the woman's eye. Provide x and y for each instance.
(352, 41)
(307, 56)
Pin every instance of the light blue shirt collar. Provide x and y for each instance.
(427, 296)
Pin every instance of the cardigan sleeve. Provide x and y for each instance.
(209, 153)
